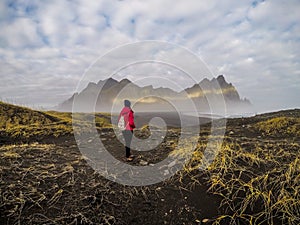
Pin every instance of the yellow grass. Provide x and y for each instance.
(254, 180)
(280, 126)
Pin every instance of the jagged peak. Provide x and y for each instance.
(125, 80)
(204, 80)
(109, 80)
(221, 81)
(221, 78)
(91, 84)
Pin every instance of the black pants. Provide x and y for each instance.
(127, 134)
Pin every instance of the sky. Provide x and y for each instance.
(47, 46)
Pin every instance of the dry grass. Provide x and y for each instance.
(280, 126)
(259, 185)
(48, 184)
(21, 123)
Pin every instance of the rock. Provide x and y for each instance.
(170, 143)
(231, 132)
(143, 163)
(171, 164)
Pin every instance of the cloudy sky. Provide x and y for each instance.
(47, 46)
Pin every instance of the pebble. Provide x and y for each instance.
(205, 220)
(143, 163)
(170, 142)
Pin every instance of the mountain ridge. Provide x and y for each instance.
(147, 97)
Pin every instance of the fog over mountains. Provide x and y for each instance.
(208, 96)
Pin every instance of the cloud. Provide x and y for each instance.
(275, 15)
(20, 33)
(48, 45)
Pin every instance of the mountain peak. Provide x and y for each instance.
(125, 80)
(204, 83)
(221, 78)
(108, 81)
(91, 84)
(221, 81)
(111, 80)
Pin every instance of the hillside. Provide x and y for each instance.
(21, 124)
(12, 115)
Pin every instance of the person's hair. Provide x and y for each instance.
(127, 103)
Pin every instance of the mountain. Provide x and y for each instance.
(205, 95)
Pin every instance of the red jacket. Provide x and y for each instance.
(128, 118)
